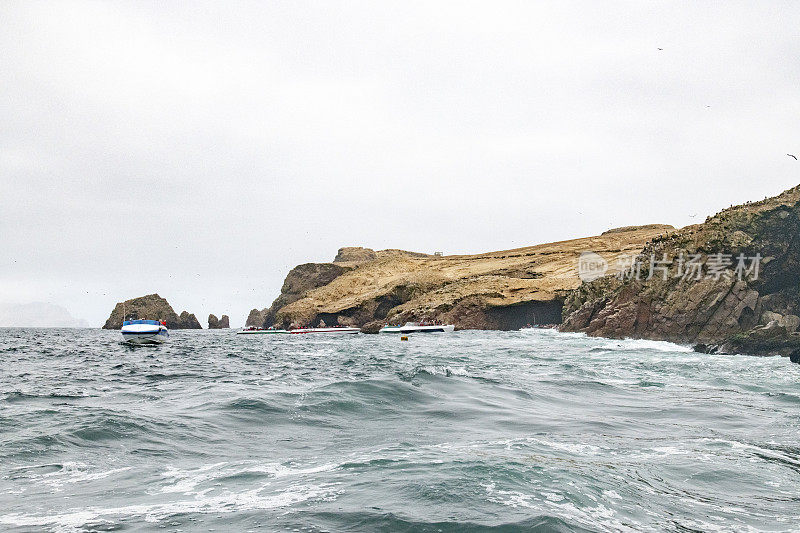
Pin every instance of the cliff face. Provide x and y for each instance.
(218, 323)
(497, 290)
(731, 307)
(256, 317)
(150, 307)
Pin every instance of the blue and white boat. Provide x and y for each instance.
(144, 331)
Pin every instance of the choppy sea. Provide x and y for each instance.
(471, 431)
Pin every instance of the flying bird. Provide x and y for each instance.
(660, 48)
(792, 155)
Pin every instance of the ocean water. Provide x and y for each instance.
(471, 431)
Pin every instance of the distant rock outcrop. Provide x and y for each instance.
(218, 323)
(187, 320)
(721, 311)
(38, 315)
(150, 307)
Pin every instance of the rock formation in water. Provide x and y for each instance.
(731, 308)
(150, 307)
(496, 290)
(218, 323)
(187, 320)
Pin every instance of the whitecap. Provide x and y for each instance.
(250, 500)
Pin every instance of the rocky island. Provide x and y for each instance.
(152, 307)
(498, 290)
(717, 310)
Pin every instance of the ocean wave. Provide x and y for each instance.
(99, 427)
(195, 481)
(76, 472)
(473, 431)
(19, 396)
(433, 370)
(559, 506)
(644, 344)
(251, 406)
(257, 499)
(552, 332)
(388, 521)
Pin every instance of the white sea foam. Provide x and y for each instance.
(186, 481)
(552, 332)
(644, 344)
(251, 500)
(77, 472)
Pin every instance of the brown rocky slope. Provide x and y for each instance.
(757, 314)
(496, 290)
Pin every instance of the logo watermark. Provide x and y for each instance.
(591, 266)
(688, 267)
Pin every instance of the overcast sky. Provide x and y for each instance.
(202, 150)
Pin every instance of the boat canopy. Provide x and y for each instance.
(150, 322)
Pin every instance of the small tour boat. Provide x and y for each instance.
(338, 329)
(418, 327)
(144, 331)
(253, 330)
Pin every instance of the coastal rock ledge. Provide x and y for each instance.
(151, 307)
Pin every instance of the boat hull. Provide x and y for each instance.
(144, 333)
(445, 328)
(262, 332)
(325, 331)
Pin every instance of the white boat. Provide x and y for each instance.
(418, 327)
(260, 331)
(328, 331)
(144, 331)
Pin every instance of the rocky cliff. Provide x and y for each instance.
(218, 323)
(730, 285)
(496, 290)
(256, 317)
(150, 307)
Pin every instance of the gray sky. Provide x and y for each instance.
(202, 150)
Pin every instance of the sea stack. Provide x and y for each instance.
(187, 320)
(218, 323)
